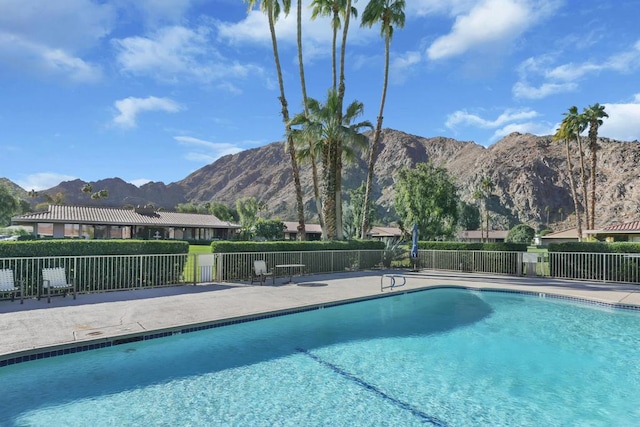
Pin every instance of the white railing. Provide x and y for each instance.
(101, 273)
(239, 266)
(624, 268)
(494, 262)
(106, 273)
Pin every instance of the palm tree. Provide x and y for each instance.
(388, 13)
(594, 115)
(486, 188)
(341, 12)
(272, 9)
(320, 125)
(564, 133)
(312, 158)
(576, 124)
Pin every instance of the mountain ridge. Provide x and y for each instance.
(528, 171)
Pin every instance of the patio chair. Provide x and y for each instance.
(56, 279)
(260, 272)
(8, 284)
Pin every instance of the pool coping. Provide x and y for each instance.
(119, 336)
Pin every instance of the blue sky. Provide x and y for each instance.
(152, 90)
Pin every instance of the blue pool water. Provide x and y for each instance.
(442, 357)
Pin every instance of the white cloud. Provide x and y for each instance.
(467, 119)
(48, 38)
(317, 34)
(129, 108)
(202, 151)
(43, 180)
(21, 54)
(622, 123)
(488, 22)
(526, 127)
(508, 122)
(564, 78)
(524, 90)
(403, 64)
(172, 54)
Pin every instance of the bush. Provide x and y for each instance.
(521, 233)
(464, 246)
(68, 247)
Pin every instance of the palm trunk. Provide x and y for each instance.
(576, 204)
(583, 179)
(285, 117)
(341, 91)
(593, 144)
(376, 141)
(314, 167)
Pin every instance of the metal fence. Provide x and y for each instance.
(101, 273)
(121, 272)
(239, 266)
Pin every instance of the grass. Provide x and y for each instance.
(199, 249)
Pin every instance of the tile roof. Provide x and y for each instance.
(627, 226)
(479, 234)
(120, 216)
(571, 233)
(292, 227)
(385, 232)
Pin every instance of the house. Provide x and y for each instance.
(570, 235)
(314, 232)
(625, 232)
(479, 236)
(384, 233)
(119, 223)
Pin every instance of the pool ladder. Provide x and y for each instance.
(392, 281)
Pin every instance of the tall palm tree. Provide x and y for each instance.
(564, 133)
(389, 13)
(486, 189)
(312, 158)
(272, 9)
(321, 126)
(594, 115)
(576, 124)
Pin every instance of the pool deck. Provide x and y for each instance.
(35, 326)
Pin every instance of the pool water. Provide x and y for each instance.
(446, 357)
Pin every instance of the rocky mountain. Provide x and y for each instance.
(529, 173)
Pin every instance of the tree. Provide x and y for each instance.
(320, 126)
(521, 233)
(272, 9)
(311, 154)
(269, 229)
(576, 124)
(482, 193)
(469, 216)
(388, 13)
(357, 209)
(427, 196)
(564, 133)
(247, 208)
(222, 211)
(594, 115)
(9, 205)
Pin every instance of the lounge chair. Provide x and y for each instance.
(260, 272)
(56, 279)
(8, 284)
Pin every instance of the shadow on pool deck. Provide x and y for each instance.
(7, 306)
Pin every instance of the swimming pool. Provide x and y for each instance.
(440, 357)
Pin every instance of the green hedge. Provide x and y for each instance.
(294, 246)
(67, 247)
(464, 246)
(595, 247)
